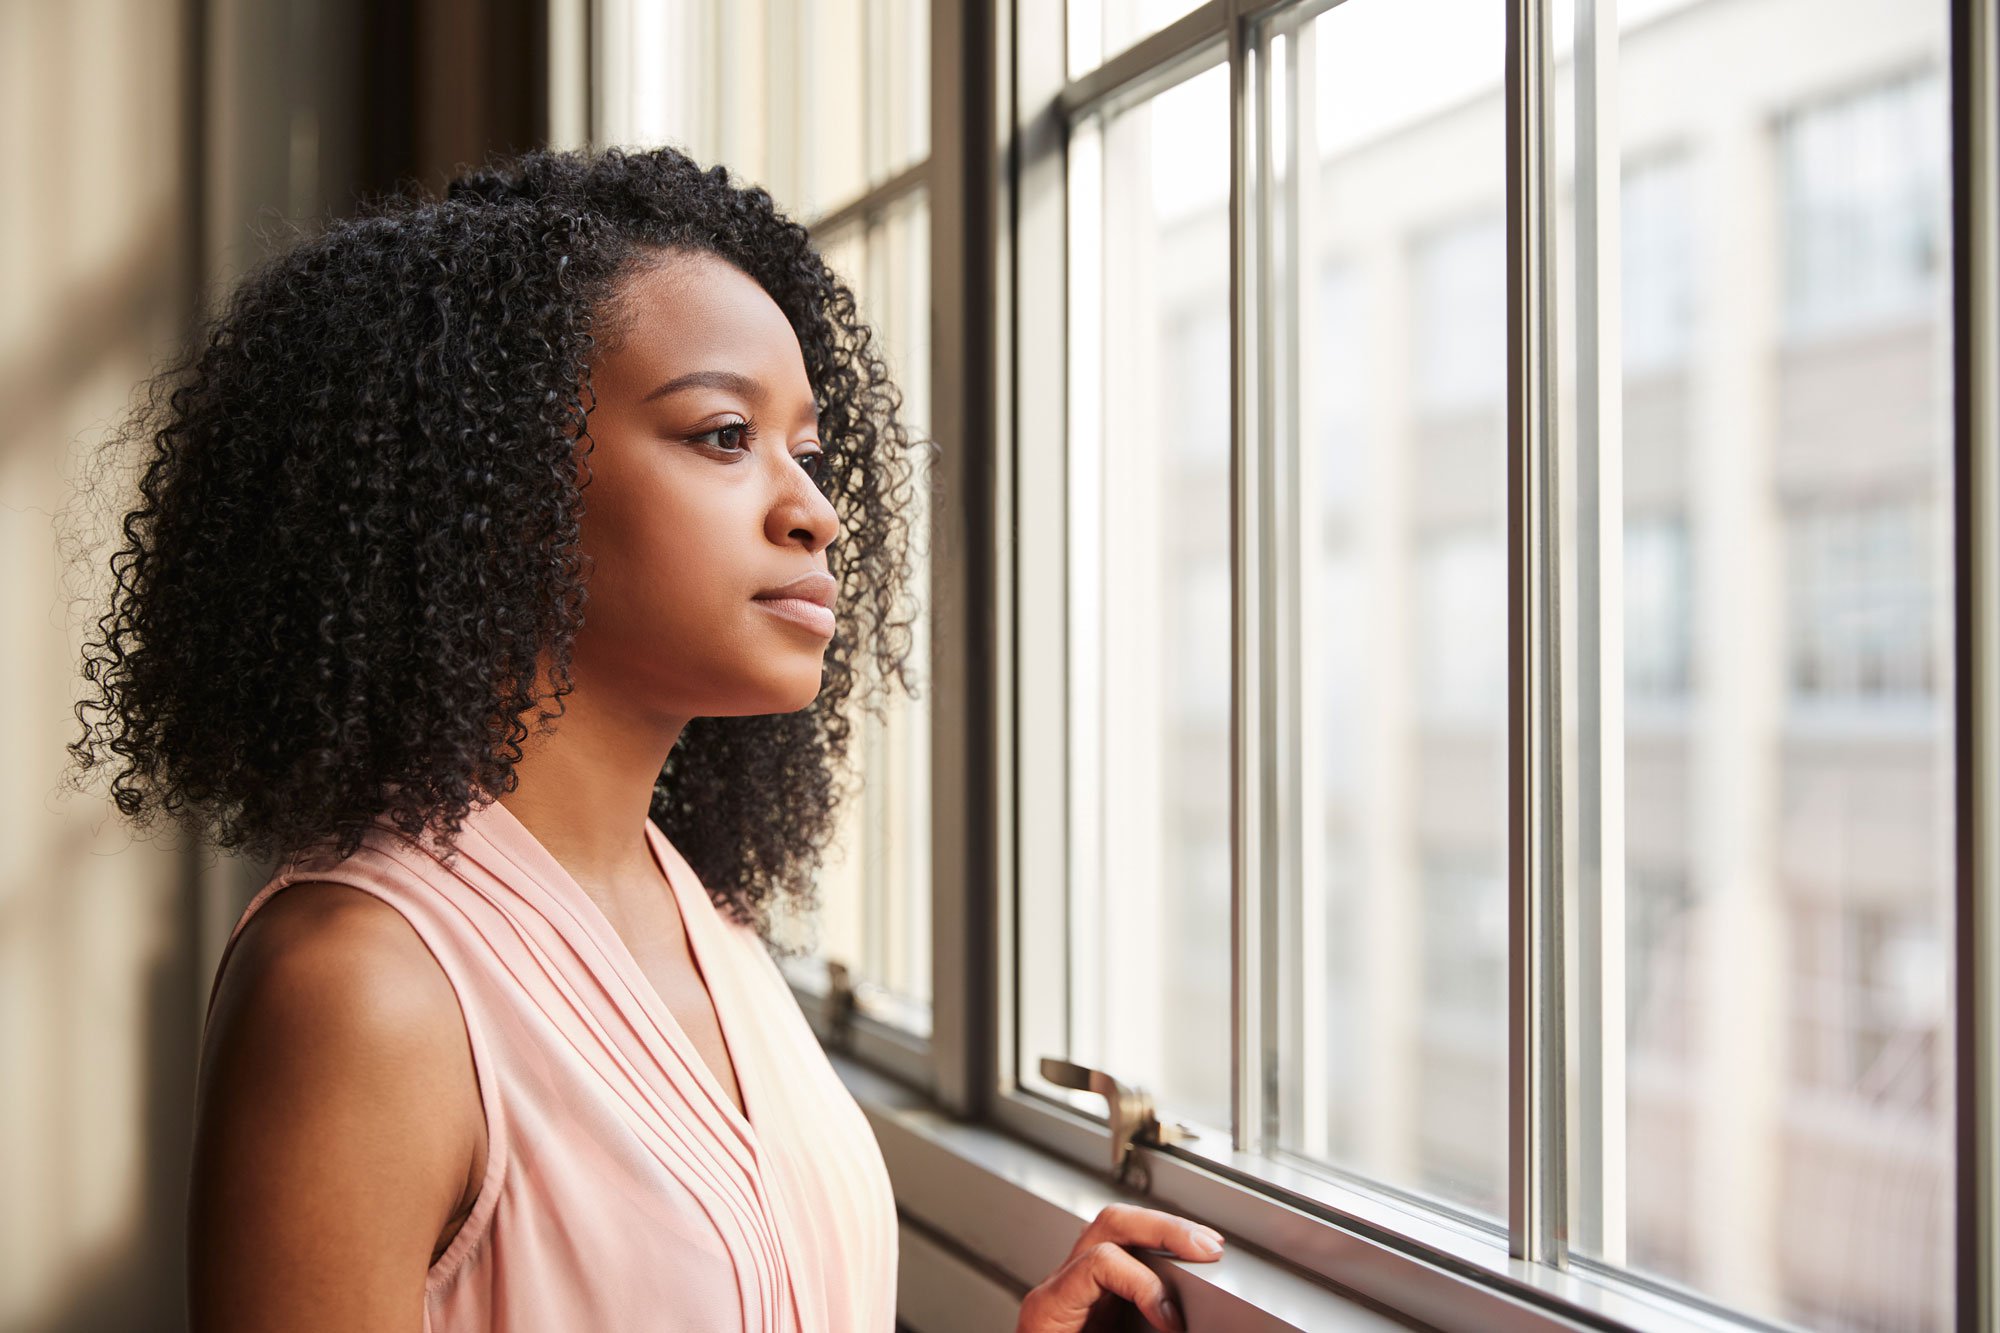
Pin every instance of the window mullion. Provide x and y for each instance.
(1035, 703)
(1252, 834)
(1536, 1224)
(1595, 999)
(1976, 491)
(876, 200)
(970, 647)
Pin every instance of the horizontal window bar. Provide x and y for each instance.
(1197, 38)
(879, 199)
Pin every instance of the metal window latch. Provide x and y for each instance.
(839, 1004)
(1132, 1118)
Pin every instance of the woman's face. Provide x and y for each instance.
(690, 513)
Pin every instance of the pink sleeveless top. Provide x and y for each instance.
(623, 1189)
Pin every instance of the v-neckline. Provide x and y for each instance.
(623, 960)
(699, 951)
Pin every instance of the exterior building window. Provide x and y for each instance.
(1867, 1008)
(1860, 599)
(1862, 178)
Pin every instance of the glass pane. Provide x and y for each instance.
(1765, 1099)
(899, 61)
(1390, 251)
(863, 114)
(1147, 992)
(876, 886)
(830, 142)
(817, 100)
(1100, 29)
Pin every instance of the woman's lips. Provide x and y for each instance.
(810, 615)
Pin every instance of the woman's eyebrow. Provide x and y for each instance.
(735, 382)
(744, 386)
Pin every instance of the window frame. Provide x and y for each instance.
(1286, 1212)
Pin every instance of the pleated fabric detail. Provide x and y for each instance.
(623, 1189)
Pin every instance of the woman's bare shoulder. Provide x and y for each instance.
(338, 1126)
(344, 948)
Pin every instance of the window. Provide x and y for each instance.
(1861, 600)
(768, 88)
(1386, 591)
(877, 877)
(1100, 28)
(1384, 601)
(1868, 1012)
(1149, 606)
(1776, 756)
(1863, 178)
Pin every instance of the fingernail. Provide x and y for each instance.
(1173, 1313)
(1208, 1240)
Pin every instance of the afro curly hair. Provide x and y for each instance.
(356, 535)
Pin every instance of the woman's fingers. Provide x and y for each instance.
(1131, 1224)
(1100, 1265)
(1065, 1300)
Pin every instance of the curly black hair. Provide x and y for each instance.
(357, 527)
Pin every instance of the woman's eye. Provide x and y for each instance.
(814, 464)
(739, 429)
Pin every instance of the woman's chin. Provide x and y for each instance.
(789, 696)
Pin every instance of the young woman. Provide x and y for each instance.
(599, 432)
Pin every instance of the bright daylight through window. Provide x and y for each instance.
(1756, 728)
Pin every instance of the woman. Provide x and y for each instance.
(600, 432)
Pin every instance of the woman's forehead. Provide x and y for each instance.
(695, 312)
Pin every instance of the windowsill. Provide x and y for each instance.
(1011, 1213)
(987, 1214)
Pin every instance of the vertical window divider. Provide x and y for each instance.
(1598, 989)
(1975, 61)
(1252, 811)
(1037, 700)
(1297, 1100)
(970, 608)
(1537, 1225)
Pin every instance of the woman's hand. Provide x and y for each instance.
(1099, 1272)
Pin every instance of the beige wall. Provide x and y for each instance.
(149, 147)
(96, 975)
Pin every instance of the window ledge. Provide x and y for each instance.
(986, 1214)
(1009, 1213)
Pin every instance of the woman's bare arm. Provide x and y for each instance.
(338, 1125)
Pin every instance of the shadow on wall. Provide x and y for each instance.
(97, 955)
(132, 1278)
(149, 146)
